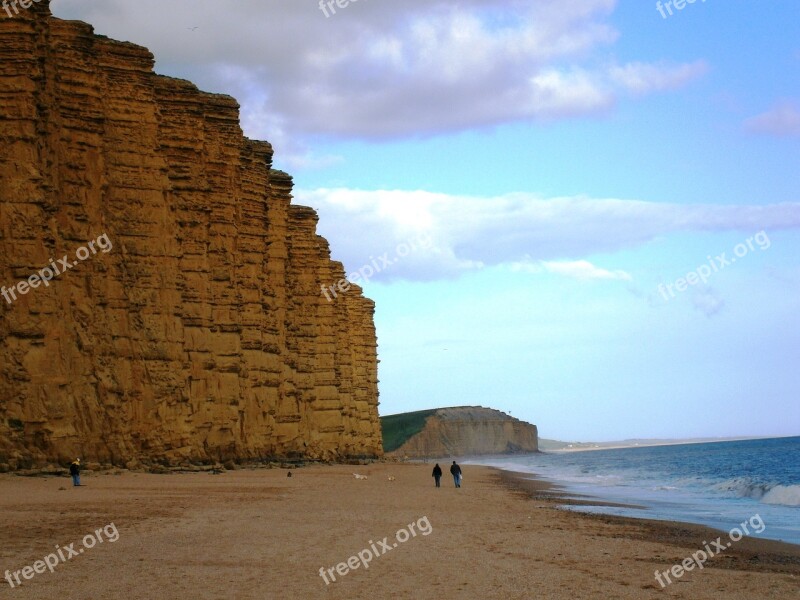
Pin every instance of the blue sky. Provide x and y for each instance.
(552, 163)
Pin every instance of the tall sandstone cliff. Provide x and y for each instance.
(202, 335)
(470, 430)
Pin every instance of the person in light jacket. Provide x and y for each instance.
(455, 471)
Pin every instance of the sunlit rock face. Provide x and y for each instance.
(470, 430)
(201, 334)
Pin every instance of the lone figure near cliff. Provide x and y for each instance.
(75, 471)
(455, 471)
(437, 474)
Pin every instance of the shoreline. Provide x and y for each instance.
(749, 553)
(257, 533)
(592, 495)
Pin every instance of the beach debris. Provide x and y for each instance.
(357, 476)
(391, 478)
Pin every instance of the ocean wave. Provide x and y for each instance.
(768, 493)
(788, 495)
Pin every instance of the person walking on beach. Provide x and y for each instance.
(437, 474)
(75, 471)
(455, 471)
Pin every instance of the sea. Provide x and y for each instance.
(718, 484)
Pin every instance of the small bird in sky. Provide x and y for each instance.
(192, 28)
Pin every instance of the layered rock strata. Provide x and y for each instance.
(470, 430)
(202, 335)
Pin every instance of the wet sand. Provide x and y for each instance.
(259, 534)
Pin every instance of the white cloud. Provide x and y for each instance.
(781, 120)
(556, 234)
(380, 69)
(644, 78)
(582, 270)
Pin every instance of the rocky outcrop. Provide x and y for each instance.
(469, 430)
(202, 335)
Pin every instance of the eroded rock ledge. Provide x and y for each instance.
(464, 431)
(202, 336)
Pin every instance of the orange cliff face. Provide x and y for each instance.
(202, 335)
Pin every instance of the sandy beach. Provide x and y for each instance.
(256, 533)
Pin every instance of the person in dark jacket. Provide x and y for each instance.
(437, 474)
(455, 471)
(75, 471)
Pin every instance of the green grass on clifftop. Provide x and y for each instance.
(399, 428)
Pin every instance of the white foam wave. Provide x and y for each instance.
(788, 495)
(743, 487)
